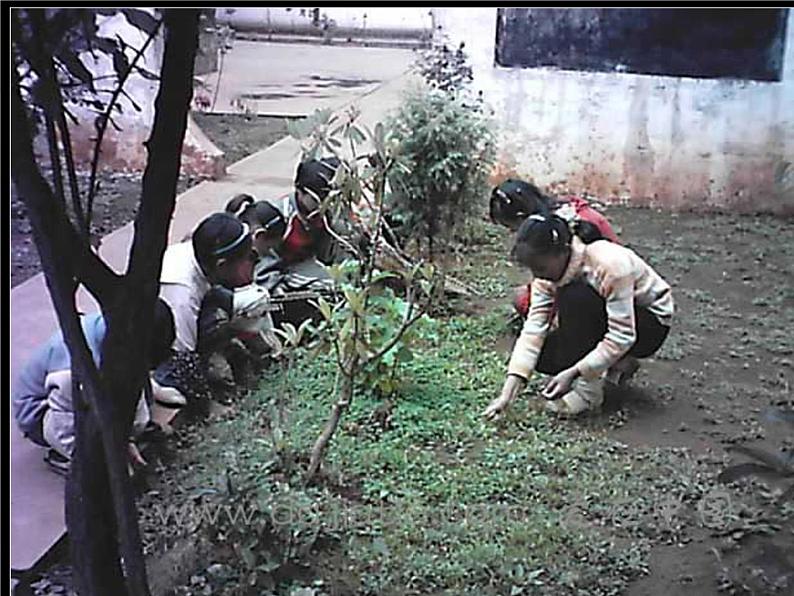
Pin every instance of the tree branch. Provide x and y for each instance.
(55, 112)
(105, 119)
(55, 158)
(82, 218)
(71, 252)
(407, 322)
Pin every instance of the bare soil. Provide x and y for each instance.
(719, 378)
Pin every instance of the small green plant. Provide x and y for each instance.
(365, 326)
(290, 350)
(448, 148)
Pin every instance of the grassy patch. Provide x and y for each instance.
(420, 495)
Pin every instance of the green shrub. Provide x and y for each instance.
(443, 69)
(447, 145)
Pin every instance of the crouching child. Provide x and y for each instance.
(42, 394)
(235, 336)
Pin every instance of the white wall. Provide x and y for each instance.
(121, 150)
(124, 150)
(677, 142)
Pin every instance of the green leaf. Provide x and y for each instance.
(381, 275)
(289, 333)
(355, 299)
(302, 329)
(357, 135)
(346, 331)
(404, 354)
(324, 308)
(428, 270)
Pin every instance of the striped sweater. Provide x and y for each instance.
(614, 272)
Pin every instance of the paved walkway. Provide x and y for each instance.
(37, 520)
(294, 79)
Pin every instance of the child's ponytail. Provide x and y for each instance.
(586, 231)
(239, 206)
(542, 234)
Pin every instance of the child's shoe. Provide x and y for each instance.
(58, 462)
(170, 397)
(586, 395)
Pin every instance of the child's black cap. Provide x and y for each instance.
(219, 235)
(269, 217)
(315, 175)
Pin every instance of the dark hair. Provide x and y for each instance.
(257, 214)
(220, 235)
(541, 235)
(587, 231)
(515, 200)
(315, 175)
(163, 333)
(239, 205)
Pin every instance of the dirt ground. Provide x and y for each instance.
(240, 135)
(119, 193)
(721, 379)
(724, 371)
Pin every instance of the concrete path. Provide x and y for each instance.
(290, 79)
(36, 493)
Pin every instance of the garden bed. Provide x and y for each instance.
(420, 495)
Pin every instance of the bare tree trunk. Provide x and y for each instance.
(128, 317)
(98, 524)
(330, 427)
(89, 513)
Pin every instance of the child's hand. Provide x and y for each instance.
(134, 455)
(560, 384)
(510, 390)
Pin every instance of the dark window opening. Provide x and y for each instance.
(703, 43)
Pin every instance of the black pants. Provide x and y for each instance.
(582, 317)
